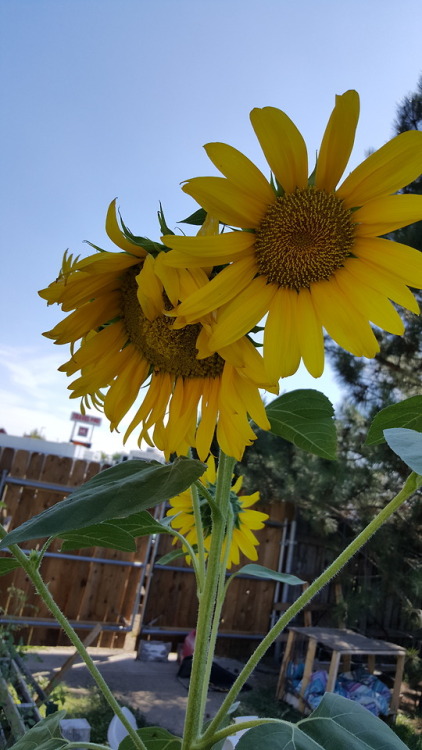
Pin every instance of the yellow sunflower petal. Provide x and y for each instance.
(337, 142)
(253, 519)
(116, 234)
(150, 290)
(222, 198)
(244, 544)
(372, 304)
(241, 314)
(309, 334)
(221, 289)
(281, 343)
(124, 390)
(342, 321)
(384, 215)
(283, 146)
(393, 166)
(388, 266)
(247, 500)
(87, 317)
(237, 486)
(208, 250)
(241, 171)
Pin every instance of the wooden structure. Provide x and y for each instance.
(343, 644)
(91, 586)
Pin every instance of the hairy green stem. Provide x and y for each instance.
(195, 708)
(220, 597)
(200, 564)
(413, 482)
(42, 590)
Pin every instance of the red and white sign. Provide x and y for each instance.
(86, 418)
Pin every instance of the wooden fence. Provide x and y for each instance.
(86, 590)
(101, 585)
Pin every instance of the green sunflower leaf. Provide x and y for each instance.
(407, 414)
(197, 218)
(337, 723)
(118, 492)
(259, 571)
(305, 418)
(407, 444)
(154, 738)
(45, 735)
(7, 564)
(119, 533)
(170, 556)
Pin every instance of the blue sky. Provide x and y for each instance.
(106, 99)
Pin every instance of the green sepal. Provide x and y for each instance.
(197, 218)
(163, 224)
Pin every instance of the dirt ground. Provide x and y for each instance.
(152, 687)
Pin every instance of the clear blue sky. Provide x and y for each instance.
(104, 98)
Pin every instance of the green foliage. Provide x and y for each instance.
(407, 413)
(154, 738)
(45, 735)
(304, 417)
(259, 571)
(7, 564)
(336, 723)
(119, 533)
(408, 445)
(118, 492)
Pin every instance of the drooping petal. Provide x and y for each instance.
(283, 146)
(393, 166)
(222, 198)
(309, 334)
(337, 142)
(376, 277)
(281, 342)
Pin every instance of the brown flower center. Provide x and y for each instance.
(304, 237)
(166, 350)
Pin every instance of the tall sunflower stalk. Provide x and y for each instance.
(177, 320)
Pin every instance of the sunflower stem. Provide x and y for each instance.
(196, 703)
(200, 562)
(218, 607)
(207, 495)
(33, 573)
(413, 482)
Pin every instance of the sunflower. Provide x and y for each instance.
(119, 303)
(311, 257)
(245, 520)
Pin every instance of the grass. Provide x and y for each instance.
(93, 707)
